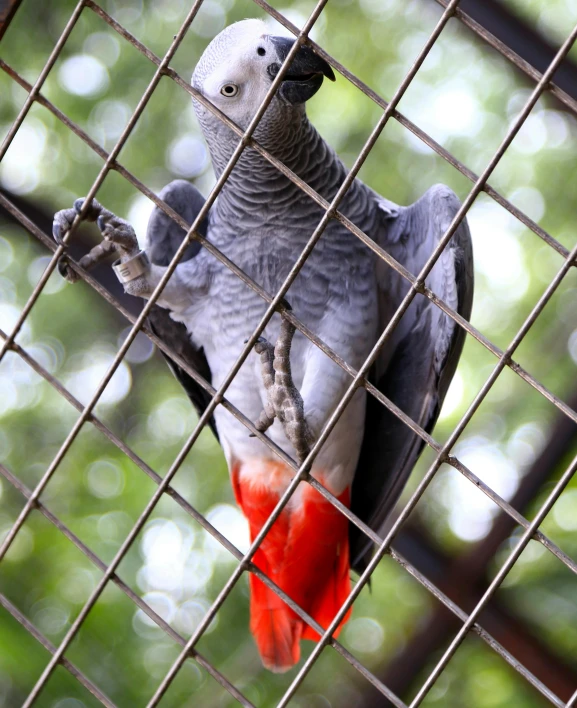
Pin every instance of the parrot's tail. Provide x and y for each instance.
(306, 553)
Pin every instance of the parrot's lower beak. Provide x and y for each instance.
(305, 74)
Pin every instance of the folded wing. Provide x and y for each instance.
(415, 368)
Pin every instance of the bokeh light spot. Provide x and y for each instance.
(83, 75)
(364, 634)
(187, 156)
(105, 479)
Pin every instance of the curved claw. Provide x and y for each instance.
(56, 233)
(93, 211)
(65, 270)
(263, 345)
(64, 218)
(61, 225)
(260, 340)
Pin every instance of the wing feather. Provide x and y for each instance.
(414, 371)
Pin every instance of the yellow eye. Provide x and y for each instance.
(229, 90)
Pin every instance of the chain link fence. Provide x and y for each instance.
(442, 452)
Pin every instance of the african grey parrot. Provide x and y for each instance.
(344, 293)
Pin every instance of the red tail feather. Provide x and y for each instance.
(306, 552)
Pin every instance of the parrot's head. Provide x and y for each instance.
(238, 66)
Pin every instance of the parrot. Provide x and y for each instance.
(345, 293)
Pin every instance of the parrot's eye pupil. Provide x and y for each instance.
(229, 90)
(261, 51)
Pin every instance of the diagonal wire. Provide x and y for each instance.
(525, 522)
(238, 555)
(364, 370)
(405, 122)
(6, 144)
(199, 518)
(427, 139)
(453, 461)
(371, 534)
(436, 592)
(287, 172)
(122, 139)
(568, 101)
(12, 479)
(106, 167)
(490, 191)
(54, 54)
(558, 488)
(505, 568)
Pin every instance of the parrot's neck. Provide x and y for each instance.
(257, 187)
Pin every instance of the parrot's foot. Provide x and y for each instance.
(118, 232)
(118, 237)
(61, 226)
(283, 398)
(63, 219)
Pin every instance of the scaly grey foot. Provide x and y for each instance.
(283, 398)
(118, 236)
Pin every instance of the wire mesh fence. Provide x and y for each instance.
(275, 303)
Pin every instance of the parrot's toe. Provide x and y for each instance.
(65, 270)
(61, 224)
(118, 231)
(262, 345)
(64, 218)
(92, 212)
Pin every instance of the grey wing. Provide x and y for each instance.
(416, 368)
(164, 237)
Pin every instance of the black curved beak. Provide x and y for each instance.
(305, 74)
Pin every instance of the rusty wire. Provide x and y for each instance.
(275, 304)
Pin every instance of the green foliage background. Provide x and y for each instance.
(465, 96)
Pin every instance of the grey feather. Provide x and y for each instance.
(164, 236)
(417, 370)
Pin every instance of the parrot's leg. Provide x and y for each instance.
(283, 398)
(116, 231)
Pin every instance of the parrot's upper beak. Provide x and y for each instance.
(305, 74)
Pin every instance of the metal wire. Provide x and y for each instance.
(275, 303)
